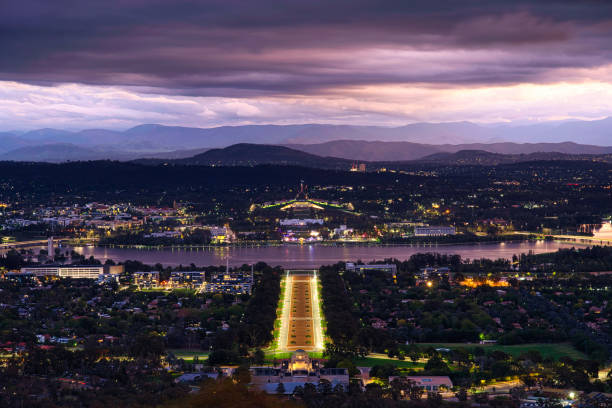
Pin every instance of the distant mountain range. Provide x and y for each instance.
(370, 143)
(62, 152)
(401, 151)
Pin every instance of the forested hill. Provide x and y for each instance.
(245, 154)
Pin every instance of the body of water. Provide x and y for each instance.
(311, 256)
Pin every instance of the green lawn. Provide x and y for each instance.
(188, 355)
(552, 350)
(277, 323)
(271, 355)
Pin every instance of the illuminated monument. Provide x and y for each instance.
(302, 206)
(303, 219)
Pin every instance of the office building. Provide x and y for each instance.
(66, 271)
(191, 279)
(391, 268)
(146, 280)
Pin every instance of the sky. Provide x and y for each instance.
(114, 64)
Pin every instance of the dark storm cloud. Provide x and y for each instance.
(231, 47)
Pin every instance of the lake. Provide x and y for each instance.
(312, 256)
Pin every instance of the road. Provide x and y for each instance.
(300, 315)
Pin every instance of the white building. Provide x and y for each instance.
(297, 222)
(433, 231)
(343, 230)
(50, 248)
(221, 235)
(352, 267)
(146, 279)
(68, 271)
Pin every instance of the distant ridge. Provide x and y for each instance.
(246, 154)
(62, 152)
(155, 136)
(58, 152)
(399, 151)
(371, 143)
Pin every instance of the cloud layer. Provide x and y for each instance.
(219, 62)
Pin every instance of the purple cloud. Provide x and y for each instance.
(238, 48)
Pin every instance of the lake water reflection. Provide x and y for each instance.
(311, 256)
(603, 232)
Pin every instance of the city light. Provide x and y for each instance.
(285, 314)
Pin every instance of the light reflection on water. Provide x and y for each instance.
(604, 232)
(310, 256)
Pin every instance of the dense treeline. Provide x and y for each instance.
(261, 310)
(455, 262)
(349, 337)
(256, 328)
(100, 375)
(396, 311)
(593, 259)
(342, 325)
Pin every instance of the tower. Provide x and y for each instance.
(252, 282)
(50, 249)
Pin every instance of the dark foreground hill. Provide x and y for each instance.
(245, 154)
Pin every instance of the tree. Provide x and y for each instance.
(259, 357)
(227, 394)
(437, 365)
(399, 386)
(481, 397)
(298, 391)
(324, 387)
(242, 375)
(415, 393)
(528, 381)
(373, 391)
(310, 392)
(462, 394)
(434, 399)
(518, 393)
